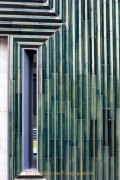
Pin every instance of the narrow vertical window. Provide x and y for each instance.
(29, 109)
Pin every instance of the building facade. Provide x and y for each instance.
(60, 88)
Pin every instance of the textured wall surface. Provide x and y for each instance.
(3, 108)
(80, 92)
(79, 88)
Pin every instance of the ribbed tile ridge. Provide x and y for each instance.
(27, 17)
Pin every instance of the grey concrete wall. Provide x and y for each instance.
(3, 108)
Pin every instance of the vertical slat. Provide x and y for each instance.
(99, 95)
(73, 94)
(93, 90)
(86, 93)
(111, 90)
(105, 107)
(80, 94)
(40, 111)
(18, 122)
(48, 108)
(117, 137)
(60, 106)
(67, 97)
(54, 107)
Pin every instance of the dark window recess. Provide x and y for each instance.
(29, 115)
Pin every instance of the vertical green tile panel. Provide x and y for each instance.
(88, 67)
(78, 94)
